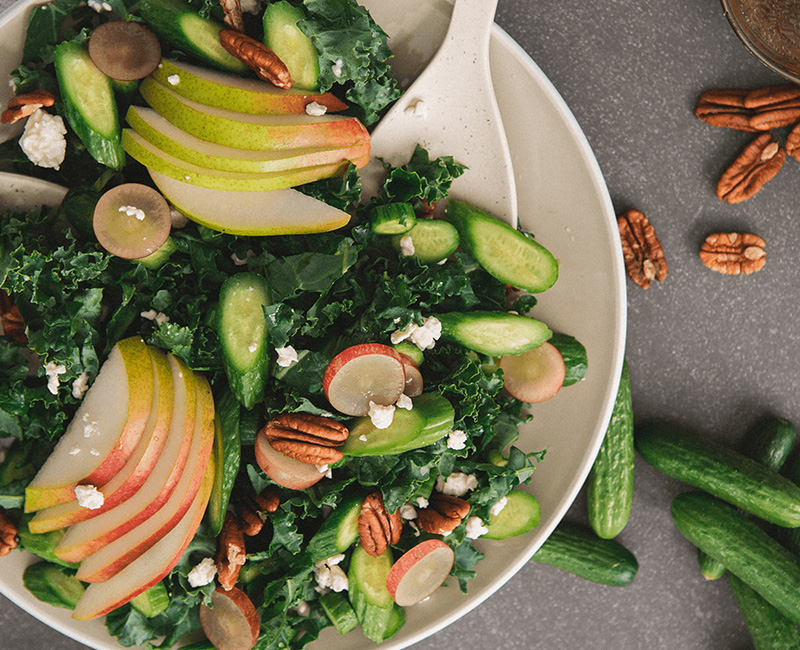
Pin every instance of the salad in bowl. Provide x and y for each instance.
(248, 406)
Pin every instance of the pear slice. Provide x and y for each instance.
(104, 432)
(170, 139)
(248, 131)
(279, 212)
(154, 158)
(135, 472)
(215, 88)
(152, 566)
(85, 537)
(115, 556)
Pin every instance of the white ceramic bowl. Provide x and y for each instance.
(564, 201)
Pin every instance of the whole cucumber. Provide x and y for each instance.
(610, 484)
(769, 629)
(747, 551)
(723, 472)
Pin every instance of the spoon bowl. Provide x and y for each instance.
(451, 109)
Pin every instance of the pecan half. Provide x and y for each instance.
(758, 163)
(641, 250)
(25, 104)
(725, 108)
(443, 514)
(377, 529)
(773, 106)
(231, 554)
(793, 143)
(11, 319)
(255, 510)
(308, 438)
(233, 14)
(734, 253)
(256, 56)
(8, 534)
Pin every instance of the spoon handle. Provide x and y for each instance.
(471, 26)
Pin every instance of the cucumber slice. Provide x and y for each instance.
(338, 532)
(152, 602)
(53, 584)
(433, 240)
(178, 24)
(339, 611)
(504, 252)
(89, 104)
(227, 450)
(494, 333)
(430, 419)
(392, 219)
(43, 545)
(520, 514)
(242, 331)
(156, 260)
(293, 47)
(411, 351)
(369, 596)
(396, 621)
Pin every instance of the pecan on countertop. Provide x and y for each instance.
(308, 438)
(8, 534)
(641, 250)
(231, 554)
(773, 106)
(443, 514)
(256, 56)
(25, 104)
(725, 108)
(254, 511)
(377, 529)
(758, 163)
(734, 253)
(793, 143)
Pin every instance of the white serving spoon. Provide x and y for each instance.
(451, 110)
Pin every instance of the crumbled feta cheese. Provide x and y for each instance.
(202, 573)
(336, 68)
(407, 246)
(315, 109)
(381, 416)
(90, 429)
(475, 528)
(174, 79)
(94, 452)
(418, 109)
(401, 335)
(287, 356)
(404, 402)
(80, 385)
(99, 6)
(238, 261)
(250, 6)
(422, 502)
(177, 218)
(303, 609)
(497, 508)
(74, 451)
(159, 317)
(43, 139)
(457, 439)
(252, 347)
(53, 370)
(407, 511)
(362, 438)
(132, 211)
(89, 497)
(322, 469)
(457, 484)
(329, 575)
(425, 337)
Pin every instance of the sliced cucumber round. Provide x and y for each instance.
(430, 241)
(520, 514)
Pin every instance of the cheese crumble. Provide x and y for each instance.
(89, 497)
(202, 573)
(287, 356)
(457, 484)
(43, 139)
(315, 109)
(381, 416)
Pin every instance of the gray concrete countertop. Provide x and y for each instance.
(708, 351)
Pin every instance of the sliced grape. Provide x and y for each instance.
(233, 623)
(132, 221)
(534, 376)
(124, 50)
